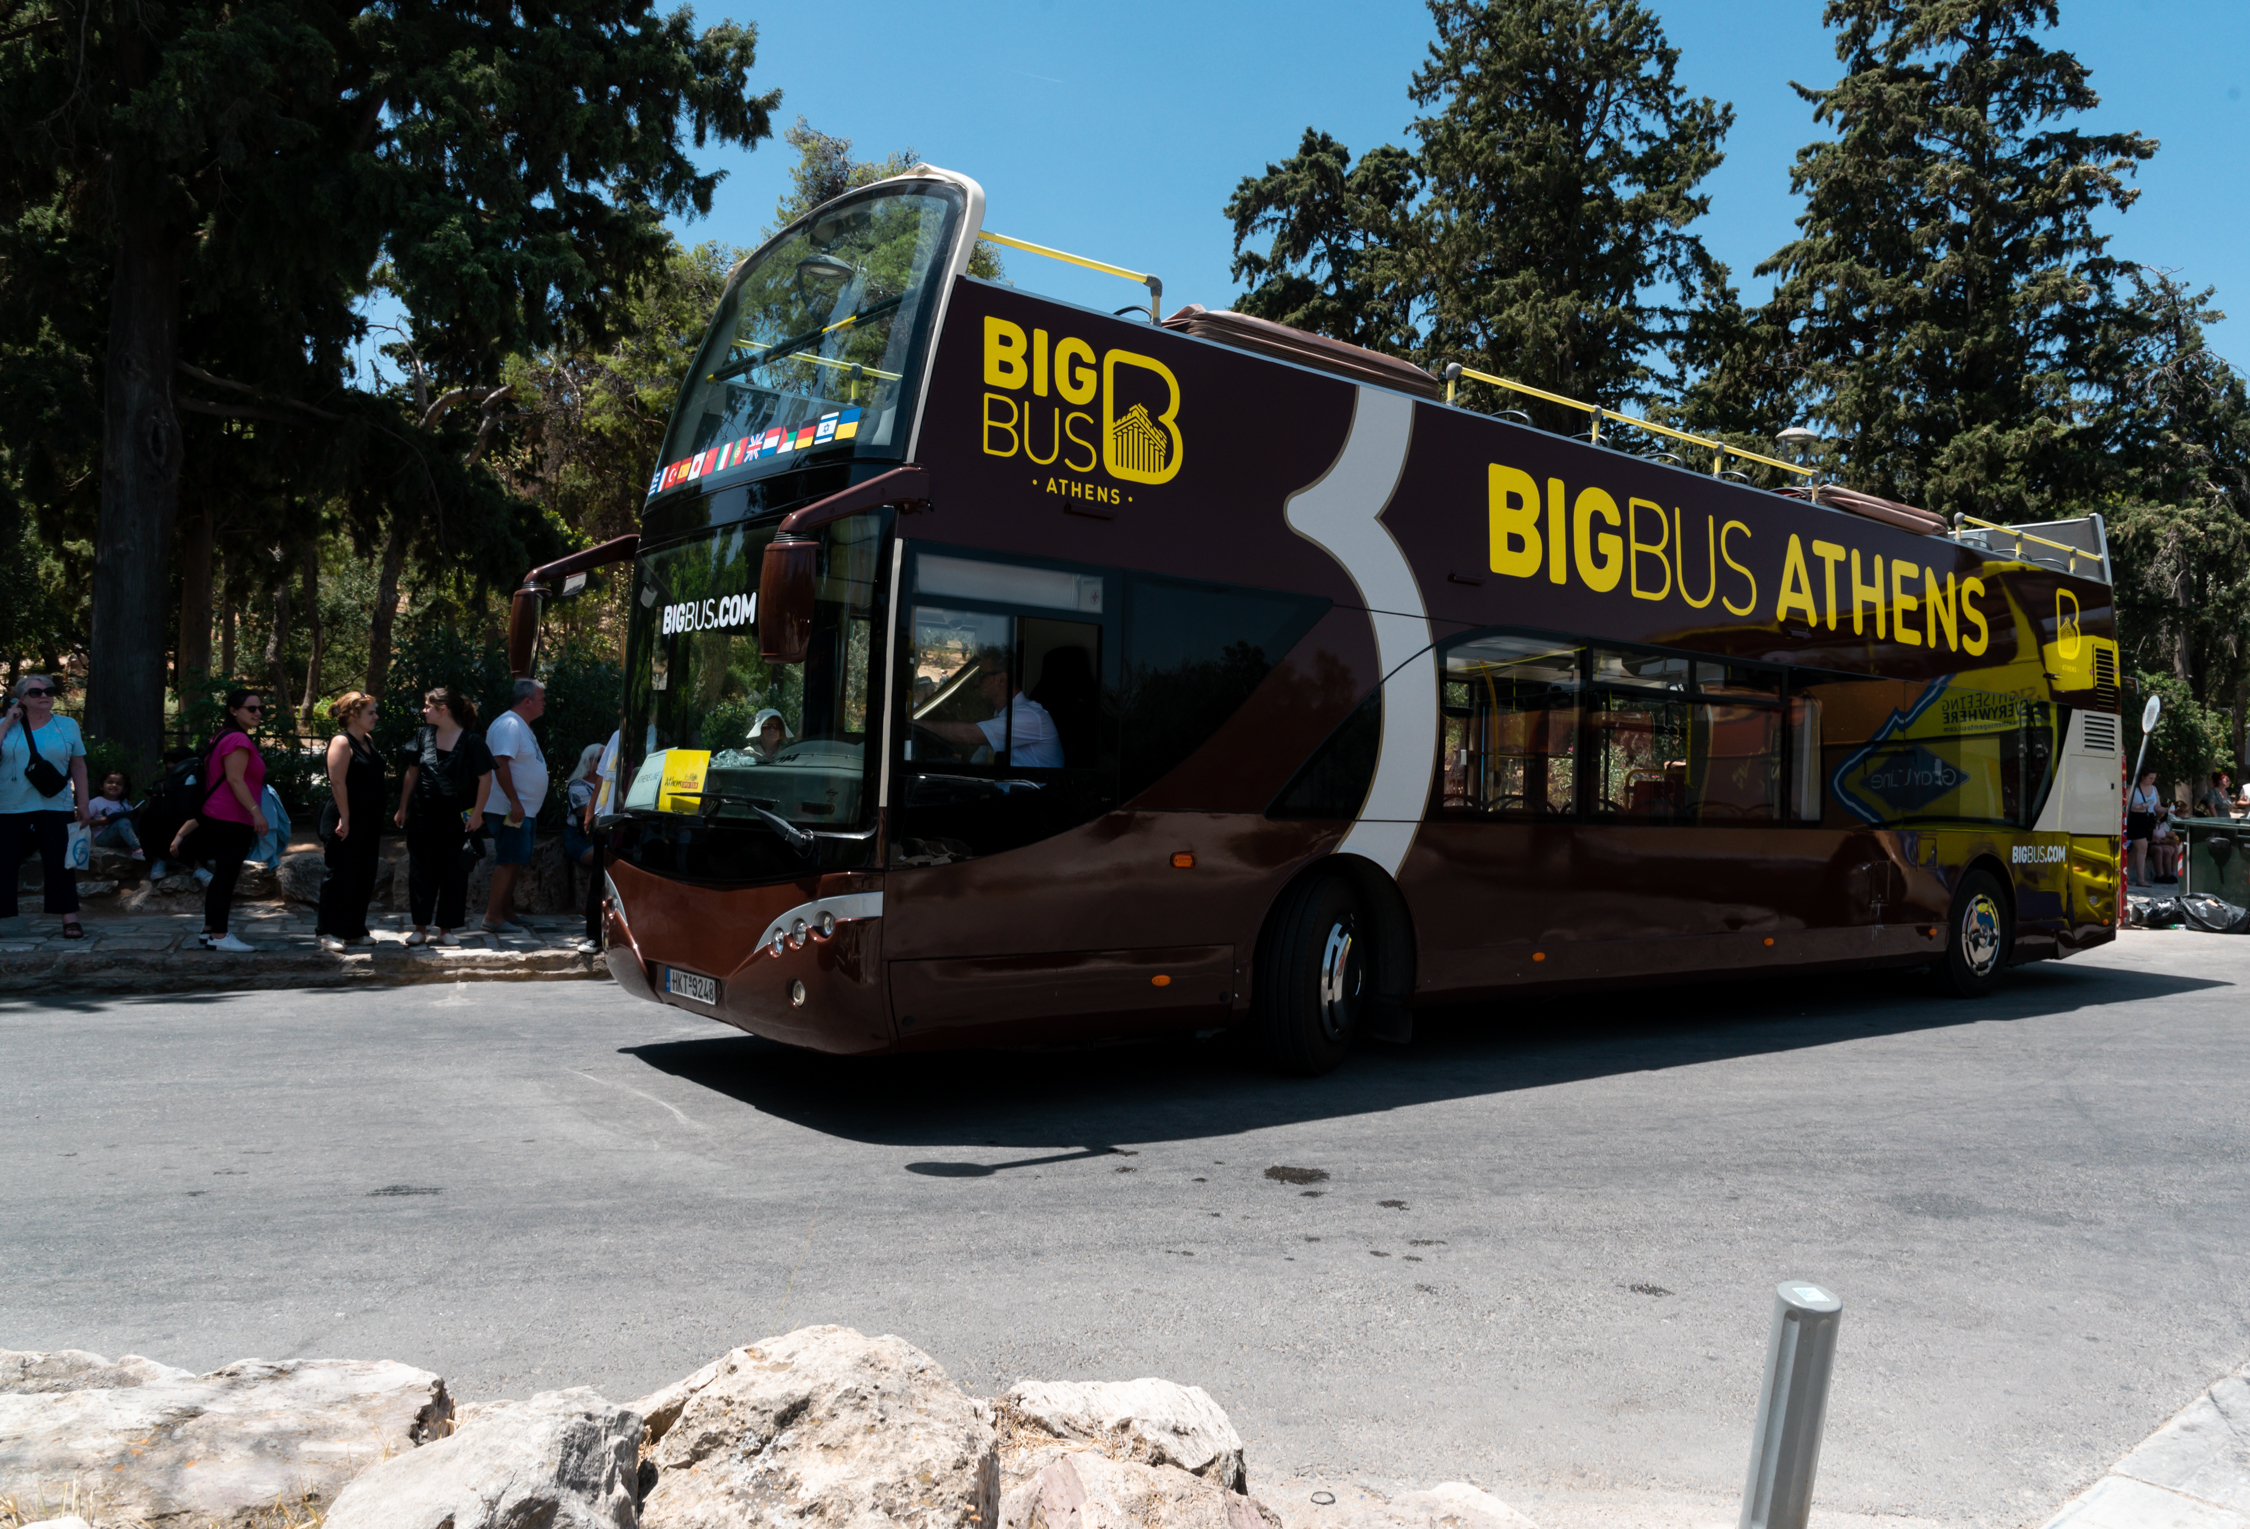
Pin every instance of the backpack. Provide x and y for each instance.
(173, 798)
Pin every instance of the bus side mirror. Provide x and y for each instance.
(785, 600)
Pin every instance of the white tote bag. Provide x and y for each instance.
(79, 852)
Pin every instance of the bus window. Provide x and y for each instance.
(1005, 743)
(1734, 763)
(1193, 655)
(1637, 739)
(1511, 708)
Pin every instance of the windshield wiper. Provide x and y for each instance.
(793, 836)
(792, 346)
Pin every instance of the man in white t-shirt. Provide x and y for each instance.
(519, 777)
(1019, 726)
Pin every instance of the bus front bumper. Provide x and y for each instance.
(798, 962)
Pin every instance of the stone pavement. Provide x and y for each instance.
(158, 953)
(2193, 1473)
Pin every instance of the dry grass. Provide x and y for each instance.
(75, 1499)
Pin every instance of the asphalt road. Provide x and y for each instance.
(1542, 1257)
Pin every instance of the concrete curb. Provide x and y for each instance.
(196, 971)
(2193, 1473)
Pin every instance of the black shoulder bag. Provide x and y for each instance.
(44, 777)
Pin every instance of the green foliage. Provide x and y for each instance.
(1332, 263)
(2190, 740)
(826, 170)
(1561, 167)
(594, 413)
(1538, 231)
(238, 174)
(1941, 304)
(584, 688)
(2177, 419)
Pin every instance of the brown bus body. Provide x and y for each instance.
(1412, 523)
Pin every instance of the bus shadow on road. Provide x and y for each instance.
(1095, 1097)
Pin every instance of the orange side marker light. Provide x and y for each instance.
(1769, 939)
(1183, 860)
(1538, 955)
(1160, 980)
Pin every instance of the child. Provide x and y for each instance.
(111, 819)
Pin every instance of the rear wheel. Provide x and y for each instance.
(1979, 931)
(1314, 986)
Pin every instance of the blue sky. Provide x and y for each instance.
(1120, 131)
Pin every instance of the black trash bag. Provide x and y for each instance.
(2156, 913)
(2213, 915)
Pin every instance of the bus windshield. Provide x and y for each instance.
(715, 732)
(815, 349)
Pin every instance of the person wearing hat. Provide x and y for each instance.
(1019, 726)
(769, 732)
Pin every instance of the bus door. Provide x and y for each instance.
(999, 892)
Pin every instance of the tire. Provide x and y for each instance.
(1980, 930)
(1315, 976)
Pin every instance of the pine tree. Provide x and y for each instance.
(826, 170)
(2178, 423)
(249, 162)
(1333, 262)
(1561, 166)
(1944, 298)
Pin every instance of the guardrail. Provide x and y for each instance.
(1155, 284)
(1720, 450)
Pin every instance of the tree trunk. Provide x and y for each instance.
(226, 613)
(140, 487)
(195, 602)
(310, 567)
(277, 641)
(386, 607)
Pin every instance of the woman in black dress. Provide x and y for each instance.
(351, 824)
(440, 804)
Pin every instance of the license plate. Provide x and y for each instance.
(691, 985)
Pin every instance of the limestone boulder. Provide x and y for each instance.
(258, 884)
(299, 875)
(562, 1460)
(152, 1442)
(825, 1426)
(1153, 1422)
(114, 865)
(1089, 1490)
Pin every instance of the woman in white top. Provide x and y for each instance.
(42, 792)
(2141, 809)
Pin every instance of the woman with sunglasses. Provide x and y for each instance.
(41, 800)
(230, 821)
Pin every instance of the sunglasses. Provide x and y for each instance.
(38, 695)
(257, 706)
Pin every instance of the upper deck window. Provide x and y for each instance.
(815, 352)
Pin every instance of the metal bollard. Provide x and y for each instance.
(1785, 1447)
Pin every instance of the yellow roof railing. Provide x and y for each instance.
(1720, 450)
(1155, 284)
(2075, 553)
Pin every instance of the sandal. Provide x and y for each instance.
(72, 930)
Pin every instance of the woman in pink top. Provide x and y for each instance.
(230, 821)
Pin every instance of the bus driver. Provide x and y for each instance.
(1019, 726)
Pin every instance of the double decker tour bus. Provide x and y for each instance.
(1004, 671)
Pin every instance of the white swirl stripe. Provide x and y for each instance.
(1341, 514)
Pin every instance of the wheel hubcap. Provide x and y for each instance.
(1980, 934)
(1339, 980)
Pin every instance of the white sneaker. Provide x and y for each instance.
(331, 944)
(417, 937)
(446, 937)
(226, 942)
(588, 947)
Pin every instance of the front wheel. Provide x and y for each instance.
(1313, 976)
(1979, 931)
